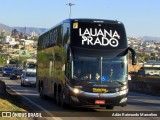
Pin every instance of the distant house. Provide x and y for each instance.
(152, 67)
(9, 40)
(26, 42)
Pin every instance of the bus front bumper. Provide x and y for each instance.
(88, 98)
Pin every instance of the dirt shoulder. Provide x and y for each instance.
(12, 102)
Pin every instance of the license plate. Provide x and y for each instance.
(100, 102)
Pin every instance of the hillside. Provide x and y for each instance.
(2, 26)
(150, 38)
(22, 29)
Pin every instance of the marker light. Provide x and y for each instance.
(123, 88)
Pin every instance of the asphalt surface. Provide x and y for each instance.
(139, 107)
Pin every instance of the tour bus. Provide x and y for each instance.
(84, 62)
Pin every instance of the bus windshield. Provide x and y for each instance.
(99, 69)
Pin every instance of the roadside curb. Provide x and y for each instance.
(2, 87)
(50, 116)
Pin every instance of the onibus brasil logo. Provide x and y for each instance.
(102, 37)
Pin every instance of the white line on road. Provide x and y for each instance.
(43, 109)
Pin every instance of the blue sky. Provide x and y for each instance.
(140, 17)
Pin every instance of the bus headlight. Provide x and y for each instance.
(76, 90)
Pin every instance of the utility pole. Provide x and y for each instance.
(70, 5)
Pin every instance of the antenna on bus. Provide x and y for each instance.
(70, 5)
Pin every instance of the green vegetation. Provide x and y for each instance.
(6, 103)
(19, 61)
(1, 61)
(9, 101)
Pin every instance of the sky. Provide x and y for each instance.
(140, 17)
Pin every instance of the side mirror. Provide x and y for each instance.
(134, 57)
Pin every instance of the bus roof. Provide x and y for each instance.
(93, 20)
(84, 20)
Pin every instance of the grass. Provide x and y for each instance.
(10, 102)
(7, 102)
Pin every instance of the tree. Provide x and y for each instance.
(15, 34)
(21, 35)
(3, 34)
(147, 57)
(141, 57)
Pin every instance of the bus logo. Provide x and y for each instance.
(75, 25)
(100, 37)
(100, 90)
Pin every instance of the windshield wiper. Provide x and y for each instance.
(119, 82)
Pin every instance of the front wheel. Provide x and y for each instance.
(22, 83)
(110, 107)
(63, 104)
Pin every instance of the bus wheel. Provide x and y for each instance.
(62, 103)
(110, 107)
(21, 83)
(58, 98)
(42, 92)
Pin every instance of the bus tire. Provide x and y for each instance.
(58, 98)
(41, 93)
(62, 103)
(109, 107)
(21, 83)
(123, 105)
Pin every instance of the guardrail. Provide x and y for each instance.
(145, 84)
(2, 87)
(146, 78)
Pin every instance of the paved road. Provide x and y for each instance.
(136, 102)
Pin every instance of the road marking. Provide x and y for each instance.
(43, 109)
